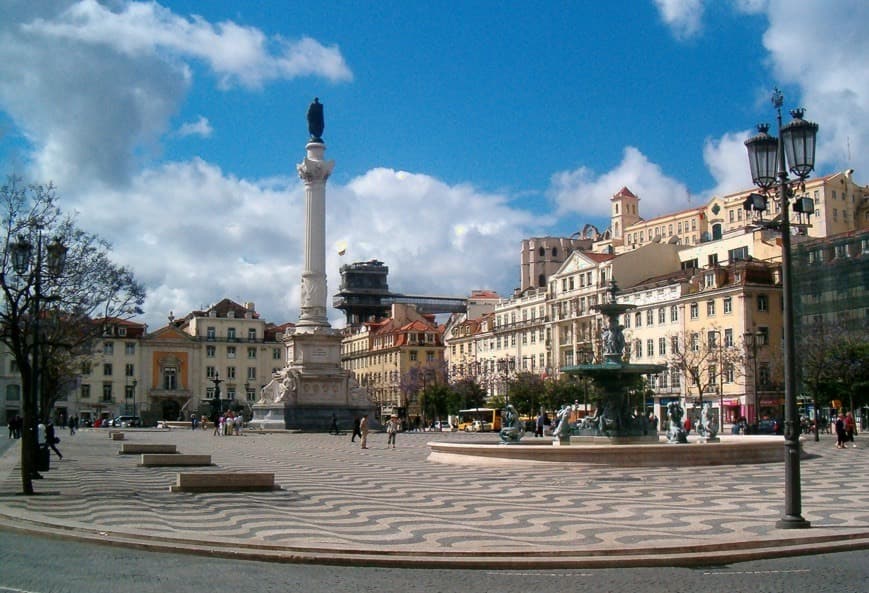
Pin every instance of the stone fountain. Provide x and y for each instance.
(614, 421)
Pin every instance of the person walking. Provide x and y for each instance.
(391, 429)
(334, 428)
(363, 431)
(840, 431)
(538, 429)
(51, 439)
(356, 432)
(850, 430)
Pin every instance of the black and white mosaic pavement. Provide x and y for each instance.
(339, 501)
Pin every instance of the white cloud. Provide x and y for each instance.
(200, 127)
(822, 48)
(727, 161)
(684, 17)
(237, 54)
(194, 234)
(584, 192)
(116, 78)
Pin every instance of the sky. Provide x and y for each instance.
(173, 128)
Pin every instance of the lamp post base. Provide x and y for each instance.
(792, 522)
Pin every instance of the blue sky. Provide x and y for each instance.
(458, 129)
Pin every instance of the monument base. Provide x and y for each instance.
(313, 389)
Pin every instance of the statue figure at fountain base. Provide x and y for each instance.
(706, 429)
(512, 430)
(676, 432)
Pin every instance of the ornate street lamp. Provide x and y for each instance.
(766, 157)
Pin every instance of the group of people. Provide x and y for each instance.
(846, 428)
(229, 424)
(361, 429)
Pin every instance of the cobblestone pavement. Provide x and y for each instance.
(341, 504)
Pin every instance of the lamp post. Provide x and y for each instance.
(769, 170)
(131, 395)
(754, 336)
(50, 263)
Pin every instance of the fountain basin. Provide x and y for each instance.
(729, 450)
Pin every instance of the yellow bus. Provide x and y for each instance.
(480, 420)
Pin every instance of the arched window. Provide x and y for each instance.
(542, 252)
(541, 280)
(555, 252)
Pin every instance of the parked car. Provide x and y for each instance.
(770, 426)
(443, 426)
(127, 422)
(480, 426)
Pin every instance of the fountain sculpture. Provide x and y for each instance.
(613, 420)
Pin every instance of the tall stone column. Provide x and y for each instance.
(314, 171)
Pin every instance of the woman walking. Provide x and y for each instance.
(391, 429)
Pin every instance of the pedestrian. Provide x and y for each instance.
(850, 429)
(840, 431)
(218, 426)
(363, 431)
(391, 429)
(192, 421)
(538, 429)
(334, 428)
(239, 424)
(356, 432)
(51, 439)
(73, 425)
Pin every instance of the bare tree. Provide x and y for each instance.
(56, 279)
(703, 357)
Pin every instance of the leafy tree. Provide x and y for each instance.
(526, 393)
(468, 394)
(50, 310)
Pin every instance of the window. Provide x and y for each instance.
(412, 356)
(429, 356)
(662, 315)
(107, 369)
(13, 393)
(638, 348)
(276, 353)
(728, 337)
(662, 346)
(650, 347)
(638, 319)
(762, 302)
(129, 370)
(251, 334)
(230, 372)
(130, 348)
(251, 373)
(230, 334)
(674, 313)
(108, 348)
(729, 373)
(695, 310)
(85, 391)
(251, 352)
(210, 351)
(763, 338)
(695, 342)
(650, 317)
(210, 333)
(710, 308)
(728, 305)
(709, 280)
(170, 378)
(738, 254)
(712, 340)
(763, 373)
(230, 351)
(107, 392)
(210, 372)
(85, 367)
(674, 344)
(712, 372)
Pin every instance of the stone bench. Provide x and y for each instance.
(224, 482)
(158, 459)
(116, 436)
(139, 448)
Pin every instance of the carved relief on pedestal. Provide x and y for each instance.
(311, 171)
